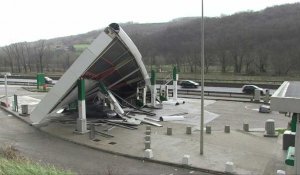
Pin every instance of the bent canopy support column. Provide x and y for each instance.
(81, 120)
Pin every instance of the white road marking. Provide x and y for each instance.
(249, 108)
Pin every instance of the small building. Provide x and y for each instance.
(287, 100)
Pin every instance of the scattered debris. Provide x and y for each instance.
(264, 109)
(142, 119)
(182, 113)
(171, 118)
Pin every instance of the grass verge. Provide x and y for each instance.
(12, 163)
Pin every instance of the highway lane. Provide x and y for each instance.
(21, 80)
(44, 148)
(206, 88)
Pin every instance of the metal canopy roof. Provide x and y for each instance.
(287, 98)
(112, 58)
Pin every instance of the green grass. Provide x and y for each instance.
(214, 75)
(24, 167)
(12, 163)
(230, 78)
(80, 47)
(281, 130)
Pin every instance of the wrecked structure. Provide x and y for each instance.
(110, 68)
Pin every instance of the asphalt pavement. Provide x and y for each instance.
(43, 148)
(250, 152)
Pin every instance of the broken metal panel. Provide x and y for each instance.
(112, 59)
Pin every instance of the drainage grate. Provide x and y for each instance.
(112, 143)
(96, 140)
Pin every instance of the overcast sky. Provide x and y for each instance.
(29, 20)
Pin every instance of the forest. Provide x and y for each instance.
(265, 42)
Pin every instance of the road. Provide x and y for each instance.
(21, 80)
(206, 88)
(43, 148)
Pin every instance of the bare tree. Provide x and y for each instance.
(19, 52)
(29, 55)
(23, 56)
(9, 52)
(40, 48)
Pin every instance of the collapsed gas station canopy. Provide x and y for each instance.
(111, 59)
(286, 98)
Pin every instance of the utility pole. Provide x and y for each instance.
(5, 86)
(202, 83)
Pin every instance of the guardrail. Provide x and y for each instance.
(22, 83)
(19, 83)
(214, 93)
(181, 92)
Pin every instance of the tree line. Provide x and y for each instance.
(252, 43)
(39, 56)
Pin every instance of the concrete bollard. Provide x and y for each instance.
(92, 131)
(148, 128)
(246, 127)
(267, 96)
(147, 145)
(227, 129)
(148, 132)
(229, 167)
(147, 138)
(208, 129)
(169, 131)
(280, 172)
(270, 127)
(24, 110)
(148, 154)
(185, 159)
(189, 130)
(15, 103)
(257, 95)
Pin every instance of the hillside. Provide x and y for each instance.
(263, 42)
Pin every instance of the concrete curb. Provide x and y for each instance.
(116, 153)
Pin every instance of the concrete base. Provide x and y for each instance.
(148, 154)
(169, 131)
(271, 135)
(246, 127)
(189, 130)
(148, 138)
(227, 129)
(147, 145)
(24, 115)
(208, 130)
(229, 167)
(81, 126)
(186, 160)
(280, 172)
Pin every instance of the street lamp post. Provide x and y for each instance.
(6, 98)
(202, 83)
